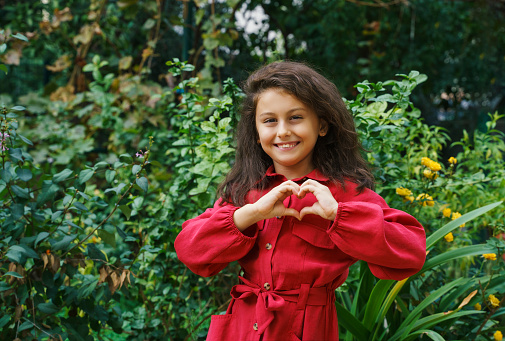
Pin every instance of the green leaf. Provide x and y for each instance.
(24, 326)
(107, 237)
(142, 182)
(15, 256)
(25, 250)
(434, 319)
(80, 206)
(430, 333)
(388, 301)
(20, 192)
(115, 189)
(472, 250)
(85, 175)
(13, 274)
(5, 175)
(375, 302)
(121, 232)
(24, 174)
(109, 175)
(41, 236)
(48, 308)
(102, 164)
(63, 243)
(63, 175)
(136, 169)
(126, 211)
(16, 154)
(4, 68)
(407, 325)
(25, 140)
(18, 108)
(17, 211)
(128, 157)
(351, 323)
(5, 319)
(19, 36)
(94, 252)
(440, 233)
(47, 192)
(87, 288)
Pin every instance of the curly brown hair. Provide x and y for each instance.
(337, 155)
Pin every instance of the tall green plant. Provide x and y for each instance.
(378, 311)
(65, 252)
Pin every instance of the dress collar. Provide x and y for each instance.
(314, 175)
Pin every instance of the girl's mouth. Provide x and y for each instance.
(286, 146)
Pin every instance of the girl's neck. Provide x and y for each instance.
(291, 173)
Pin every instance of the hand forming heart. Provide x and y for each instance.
(271, 204)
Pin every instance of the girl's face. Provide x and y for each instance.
(288, 131)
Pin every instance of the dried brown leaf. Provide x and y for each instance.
(55, 264)
(85, 35)
(18, 312)
(467, 299)
(12, 57)
(113, 282)
(125, 63)
(104, 272)
(45, 259)
(61, 64)
(122, 278)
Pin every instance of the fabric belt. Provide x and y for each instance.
(269, 301)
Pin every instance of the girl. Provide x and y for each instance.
(296, 210)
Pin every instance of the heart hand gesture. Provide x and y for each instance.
(271, 204)
(326, 206)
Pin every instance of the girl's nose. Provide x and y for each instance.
(283, 131)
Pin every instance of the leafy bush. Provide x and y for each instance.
(87, 248)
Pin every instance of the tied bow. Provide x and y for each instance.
(268, 300)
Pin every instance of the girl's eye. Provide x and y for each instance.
(296, 117)
(269, 120)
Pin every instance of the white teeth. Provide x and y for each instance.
(287, 145)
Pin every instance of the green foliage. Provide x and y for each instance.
(88, 252)
(399, 146)
(58, 279)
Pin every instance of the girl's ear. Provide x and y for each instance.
(323, 128)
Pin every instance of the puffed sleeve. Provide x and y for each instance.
(392, 242)
(210, 241)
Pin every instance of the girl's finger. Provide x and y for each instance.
(308, 210)
(292, 212)
(308, 188)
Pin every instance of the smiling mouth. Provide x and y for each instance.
(286, 146)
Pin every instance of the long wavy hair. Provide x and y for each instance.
(337, 155)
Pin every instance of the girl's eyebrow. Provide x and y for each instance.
(272, 113)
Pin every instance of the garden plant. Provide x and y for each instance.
(94, 187)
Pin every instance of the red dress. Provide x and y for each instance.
(292, 268)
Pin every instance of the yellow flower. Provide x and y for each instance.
(403, 191)
(477, 306)
(453, 160)
(456, 215)
(494, 301)
(449, 237)
(425, 199)
(489, 256)
(425, 161)
(498, 336)
(408, 198)
(430, 175)
(446, 212)
(434, 166)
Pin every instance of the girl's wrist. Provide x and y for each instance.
(246, 216)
